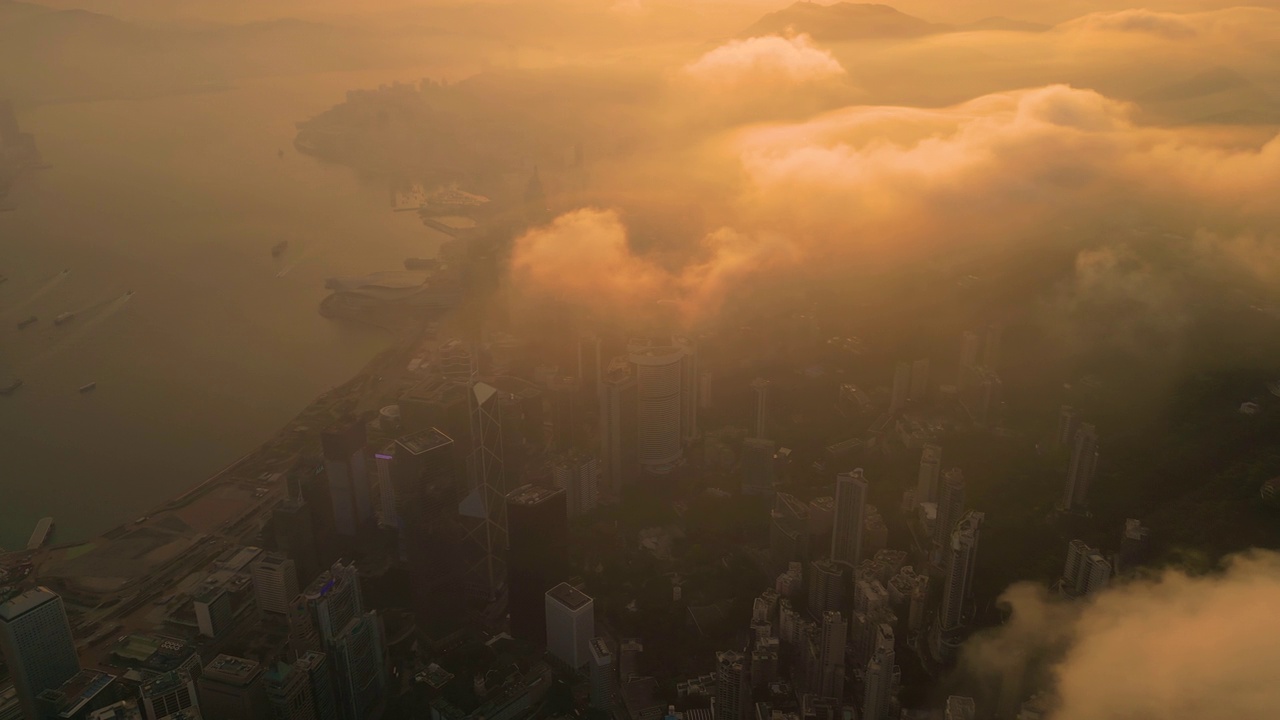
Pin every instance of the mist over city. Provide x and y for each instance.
(639, 360)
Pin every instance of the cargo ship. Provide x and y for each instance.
(64, 317)
(88, 386)
(23, 323)
(11, 387)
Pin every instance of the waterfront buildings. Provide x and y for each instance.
(344, 447)
(275, 584)
(37, 645)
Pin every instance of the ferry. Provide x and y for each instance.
(278, 249)
(64, 317)
(23, 323)
(88, 386)
(11, 387)
(41, 534)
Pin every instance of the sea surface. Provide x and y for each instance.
(179, 199)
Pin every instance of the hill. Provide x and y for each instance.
(844, 21)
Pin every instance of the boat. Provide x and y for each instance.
(11, 387)
(278, 249)
(64, 317)
(88, 386)
(28, 321)
(41, 534)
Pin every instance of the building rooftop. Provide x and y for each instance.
(423, 441)
(532, 494)
(230, 669)
(22, 603)
(569, 596)
(82, 688)
(600, 648)
(164, 683)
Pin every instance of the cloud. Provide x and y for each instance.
(1165, 646)
(771, 59)
(1166, 25)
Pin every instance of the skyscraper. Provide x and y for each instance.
(689, 379)
(826, 586)
(969, 348)
(881, 677)
(213, 611)
(294, 535)
(538, 529)
(345, 467)
(425, 475)
(961, 558)
(233, 688)
(919, 380)
(733, 686)
(275, 584)
(289, 692)
(1081, 468)
(991, 350)
(382, 462)
(950, 506)
(333, 607)
(851, 501)
(835, 630)
(930, 469)
(758, 466)
(316, 666)
(901, 390)
(590, 366)
(36, 641)
(168, 694)
(659, 384)
(579, 476)
(1068, 423)
(619, 431)
(486, 506)
(602, 674)
(761, 388)
(570, 618)
(1086, 571)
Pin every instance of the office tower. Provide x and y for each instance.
(733, 686)
(1082, 467)
(969, 348)
(788, 530)
(382, 462)
(875, 532)
(822, 519)
(213, 612)
(688, 388)
(590, 365)
(619, 429)
(950, 506)
(36, 641)
(930, 469)
(991, 348)
(1068, 423)
(360, 668)
(961, 557)
(826, 586)
(919, 380)
(332, 601)
(571, 622)
(1086, 571)
(538, 529)
(602, 673)
(233, 688)
(275, 583)
(659, 385)
(486, 506)
(562, 400)
(629, 659)
(983, 400)
(579, 476)
(344, 464)
(960, 707)
(427, 485)
(846, 531)
(761, 388)
(289, 693)
(901, 390)
(319, 675)
(881, 677)
(1134, 543)
(168, 694)
(834, 632)
(758, 466)
(294, 535)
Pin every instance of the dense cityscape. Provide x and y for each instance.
(722, 484)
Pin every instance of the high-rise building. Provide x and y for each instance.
(689, 379)
(659, 384)
(36, 641)
(991, 349)
(233, 688)
(80, 695)
(538, 529)
(344, 448)
(619, 429)
(930, 469)
(826, 586)
(571, 622)
(383, 460)
(851, 501)
(351, 638)
(485, 507)
(590, 365)
(214, 615)
(901, 390)
(425, 476)
(1068, 423)
(788, 530)
(1082, 467)
(960, 707)
(323, 697)
(970, 345)
(579, 476)
(961, 558)
(761, 388)
(759, 472)
(275, 584)
(289, 693)
(168, 694)
(919, 380)
(835, 630)
(950, 506)
(733, 686)
(563, 403)
(294, 535)
(1086, 571)
(602, 675)
(881, 677)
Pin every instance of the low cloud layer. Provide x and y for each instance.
(771, 60)
(1167, 646)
